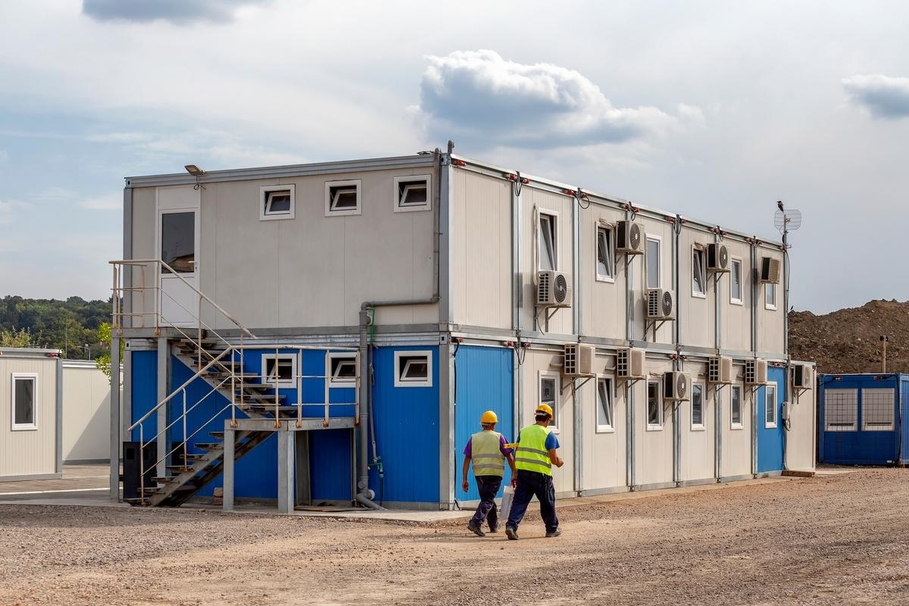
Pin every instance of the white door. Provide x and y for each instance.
(178, 248)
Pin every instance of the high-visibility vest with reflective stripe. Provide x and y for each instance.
(532, 454)
(486, 454)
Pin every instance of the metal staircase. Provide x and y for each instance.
(220, 364)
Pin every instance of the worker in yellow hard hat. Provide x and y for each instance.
(488, 450)
(536, 454)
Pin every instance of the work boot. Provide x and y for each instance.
(553, 533)
(511, 533)
(475, 528)
(493, 528)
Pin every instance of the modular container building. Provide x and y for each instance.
(862, 419)
(331, 333)
(31, 407)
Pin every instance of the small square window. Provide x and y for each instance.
(342, 198)
(276, 202)
(735, 414)
(605, 254)
(605, 406)
(548, 242)
(735, 282)
(413, 369)
(697, 407)
(25, 401)
(769, 296)
(279, 369)
(698, 273)
(654, 406)
(413, 193)
(342, 369)
(770, 406)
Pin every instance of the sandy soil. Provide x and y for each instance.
(839, 538)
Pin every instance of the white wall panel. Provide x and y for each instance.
(29, 452)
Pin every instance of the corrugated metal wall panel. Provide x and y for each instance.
(330, 465)
(144, 385)
(407, 432)
(484, 377)
(859, 447)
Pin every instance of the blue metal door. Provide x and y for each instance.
(769, 424)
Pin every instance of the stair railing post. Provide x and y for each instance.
(185, 466)
(300, 388)
(141, 464)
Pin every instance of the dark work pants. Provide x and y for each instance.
(486, 510)
(530, 484)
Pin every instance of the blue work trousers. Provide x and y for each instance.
(530, 484)
(486, 510)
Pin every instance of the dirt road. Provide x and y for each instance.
(840, 538)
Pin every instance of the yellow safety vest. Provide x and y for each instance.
(532, 454)
(486, 454)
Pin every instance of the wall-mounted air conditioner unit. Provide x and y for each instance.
(578, 360)
(676, 385)
(755, 372)
(553, 289)
(660, 304)
(717, 257)
(770, 270)
(802, 377)
(629, 237)
(629, 363)
(719, 370)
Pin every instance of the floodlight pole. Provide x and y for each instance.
(884, 340)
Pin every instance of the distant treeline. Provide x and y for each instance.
(71, 325)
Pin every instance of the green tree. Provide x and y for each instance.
(12, 338)
(102, 361)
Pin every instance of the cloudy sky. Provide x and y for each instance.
(711, 109)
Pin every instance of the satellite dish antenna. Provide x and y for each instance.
(786, 220)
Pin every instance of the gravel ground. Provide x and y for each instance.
(838, 538)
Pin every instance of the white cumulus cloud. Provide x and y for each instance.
(484, 99)
(885, 97)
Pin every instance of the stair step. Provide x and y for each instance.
(208, 445)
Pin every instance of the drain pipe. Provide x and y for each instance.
(754, 307)
(718, 343)
(677, 364)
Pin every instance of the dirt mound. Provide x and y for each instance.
(849, 340)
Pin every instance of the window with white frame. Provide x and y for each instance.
(412, 193)
(770, 296)
(279, 369)
(841, 410)
(698, 272)
(413, 369)
(549, 394)
(735, 282)
(342, 198)
(342, 368)
(697, 406)
(25, 401)
(276, 202)
(770, 406)
(654, 406)
(878, 408)
(548, 242)
(652, 261)
(735, 407)
(605, 254)
(605, 405)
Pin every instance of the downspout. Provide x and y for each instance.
(629, 387)
(578, 329)
(718, 343)
(754, 304)
(365, 495)
(517, 302)
(677, 364)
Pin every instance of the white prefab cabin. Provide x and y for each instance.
(352, 320)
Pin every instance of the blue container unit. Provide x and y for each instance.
(860, 419)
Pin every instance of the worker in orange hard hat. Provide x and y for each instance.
(488, 450)
(535, 457)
